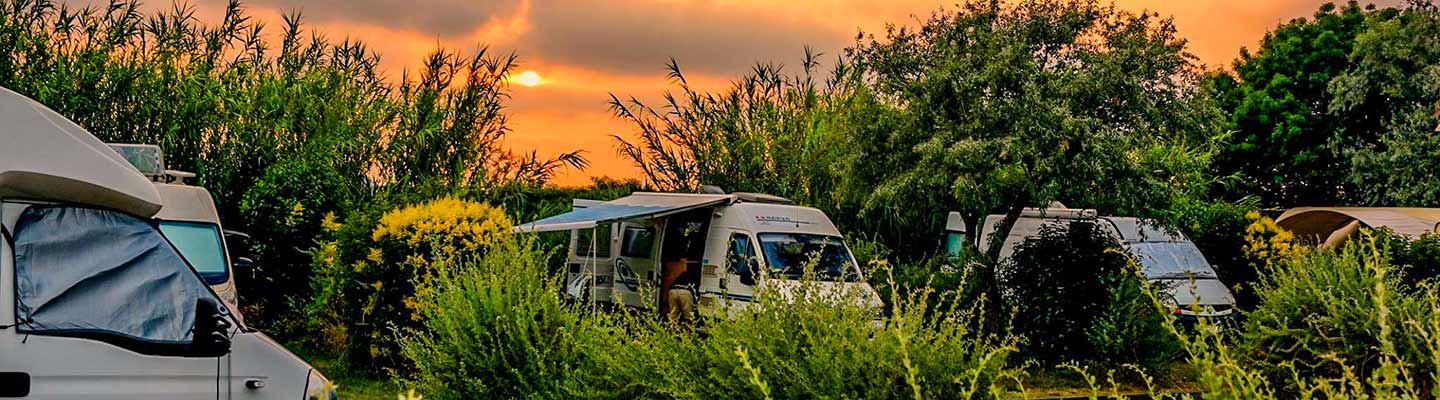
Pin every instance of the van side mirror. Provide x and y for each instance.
(243, 264)
(211, 334)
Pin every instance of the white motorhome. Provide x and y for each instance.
(1166, 258)
(188, 218)
(731, 245)
(95, 302)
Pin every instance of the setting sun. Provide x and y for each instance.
(527, 78)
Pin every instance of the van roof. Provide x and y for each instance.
(45, 156)
(782, 218)
(186, 203)
(641, 205)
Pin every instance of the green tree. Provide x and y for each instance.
(1282, 144)
(1392, 93)
(1000, 106)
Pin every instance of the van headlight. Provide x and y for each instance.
(319, 388)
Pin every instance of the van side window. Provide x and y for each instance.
(599, 237)
(638, 242)
(741, 253)
(73, 264)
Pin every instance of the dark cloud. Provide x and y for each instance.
(624, 36)
(636, 35)
(443, 18)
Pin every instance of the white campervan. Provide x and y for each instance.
(95, 302)
(188, 218)
(1166, 258)
(729, 244)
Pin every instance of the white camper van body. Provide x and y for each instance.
(1193, 288)
(618, 260)
(49, 163)
(192, 224)
(188, 218)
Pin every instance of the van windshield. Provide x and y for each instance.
(201, 245)
(1172, 260)
(788, 253)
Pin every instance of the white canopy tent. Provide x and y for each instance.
(44, 156)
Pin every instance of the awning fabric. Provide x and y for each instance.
(635, 206)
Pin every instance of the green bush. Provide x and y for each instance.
(1416, 259)
(496, 328)
(1218, 230)
(293, 197)
(374, 276)
(1077, 296)
(1329, 314)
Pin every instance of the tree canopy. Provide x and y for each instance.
(1002, 107)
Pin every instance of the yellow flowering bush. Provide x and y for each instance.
(372, 273)
(1267, 241)
(447, 227)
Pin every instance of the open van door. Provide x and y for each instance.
(636, 264)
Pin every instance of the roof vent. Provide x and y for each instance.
(711, 189)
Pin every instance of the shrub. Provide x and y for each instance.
(373, 276)
(1077, 296)
(1333, 314)
(496, 328)
(293, 196)
(1266, 242)
(1218, 230)
(1416, 259)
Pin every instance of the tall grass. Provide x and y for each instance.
(281, 125)
(496, 328)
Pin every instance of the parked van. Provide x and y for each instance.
(730, 244)
(188, 218)
(95, 302)
(1193, 289)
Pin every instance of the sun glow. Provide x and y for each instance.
(527, 79)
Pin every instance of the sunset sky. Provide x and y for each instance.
(577, 52)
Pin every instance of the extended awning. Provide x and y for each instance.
(635, 206)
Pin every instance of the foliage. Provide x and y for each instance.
(1218, 229)
(369, 285)
(1393, 92)
(1416, 260)
(496, 329)
(770, 132)
(293, 195)
(1329, 314)
(1006, 106)
(1078, 296)
(1283, 144)
(1267, 242)
(288, 115)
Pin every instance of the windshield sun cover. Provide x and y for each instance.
(83, 271)
(788, 253)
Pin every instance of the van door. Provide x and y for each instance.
(590, 268)
(636, 271)
(97, 305)
(742, 269)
